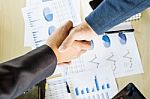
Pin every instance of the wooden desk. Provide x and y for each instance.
(142, 34)
(11, 29)
(12, 38)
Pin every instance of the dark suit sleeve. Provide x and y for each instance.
(22, 73)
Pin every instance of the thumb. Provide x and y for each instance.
(66, 43)
(62, 32)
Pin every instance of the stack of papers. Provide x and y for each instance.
(43, 17)
(95, 84)
(92, 76)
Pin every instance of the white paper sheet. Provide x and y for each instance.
(98, 83)
(56, 89)
(27, 35)
(124, 59)
(61, 11)
(94, 83)
(122, 26)
(35, 2)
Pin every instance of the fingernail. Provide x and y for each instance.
(61, 48)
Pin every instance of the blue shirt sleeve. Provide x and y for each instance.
(112, 12)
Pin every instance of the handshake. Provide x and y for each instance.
(70, 42)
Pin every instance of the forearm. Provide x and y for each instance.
(20, 74)
(112, 12)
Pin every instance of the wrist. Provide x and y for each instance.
(87, 27)
(54, 50)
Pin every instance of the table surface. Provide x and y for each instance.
(12, 41)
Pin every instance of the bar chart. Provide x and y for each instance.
(92, 85)
(87, 90)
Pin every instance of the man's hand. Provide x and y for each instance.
(73, 51)
(80, 33)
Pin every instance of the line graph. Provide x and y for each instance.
(128, 57)
(95, 62)
(110, 58)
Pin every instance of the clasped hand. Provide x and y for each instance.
(69, 43)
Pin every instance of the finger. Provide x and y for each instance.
(82, 45)
(82, 52)
(69, 41)
(63, 31)
(81, 33)
(65, 28)
(64, 63)
(66, 43)
(76, 33)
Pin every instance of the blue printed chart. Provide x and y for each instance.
(95, 84)
(117, 50)
(97, 87)
(42, 20)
